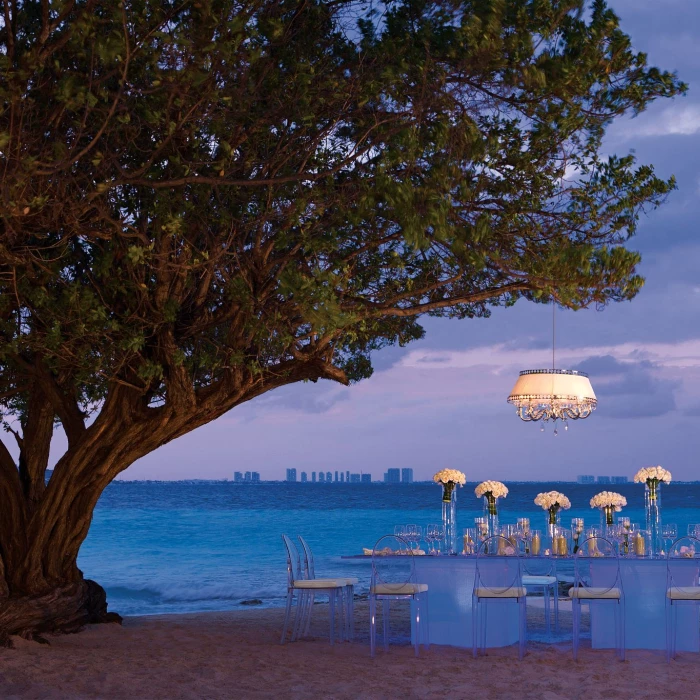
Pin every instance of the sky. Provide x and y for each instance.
(441, 402)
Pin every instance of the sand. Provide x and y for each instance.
(238, 655)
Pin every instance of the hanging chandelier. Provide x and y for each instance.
(553, 394)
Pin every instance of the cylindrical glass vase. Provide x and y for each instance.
(449, 516)
(491, 515)
(607, 521)
(652, 508)
(553, 522)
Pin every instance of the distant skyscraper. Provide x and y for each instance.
(347, 475)
(336, 477)
(329, 477)
(586, 479)
(237, 477)
(313, 477)
(304, 478)
(256, 477)
(393, 476)
(619, 479)
(407, 475)
(342, 477)
(603, 480)
(292, 475)
(247, 476)
(321, 477)
(354, 478)
(366, 478)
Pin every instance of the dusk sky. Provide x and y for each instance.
(441, 402)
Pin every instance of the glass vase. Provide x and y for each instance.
(449, 516)
(491, 514)
(652, 508)
(607, 521)
(553, 522)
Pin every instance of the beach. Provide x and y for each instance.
(237, 654)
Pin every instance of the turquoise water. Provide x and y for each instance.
(170, 547)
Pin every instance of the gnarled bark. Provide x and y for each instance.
(65, 609)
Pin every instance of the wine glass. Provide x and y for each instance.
(693, 530)
(400, 532)
(440, 536)
(669, 533)
(430, 537)
(413, 533)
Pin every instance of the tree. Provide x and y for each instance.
(203, 201)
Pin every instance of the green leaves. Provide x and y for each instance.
(205, 191)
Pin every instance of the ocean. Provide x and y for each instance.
(172, 547)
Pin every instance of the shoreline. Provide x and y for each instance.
(237, 654)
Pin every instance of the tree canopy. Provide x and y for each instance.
(204, 200)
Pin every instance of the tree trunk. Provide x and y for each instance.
(65, 608)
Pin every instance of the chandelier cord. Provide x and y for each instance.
(554, 308)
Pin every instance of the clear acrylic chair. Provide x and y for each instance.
(597, 580)
(303, 588)
(497, 577)
(394, 578)
(309, 573)
(540, 573)
(682, 585)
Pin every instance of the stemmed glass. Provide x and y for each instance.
(693, 530)
(523, 533)
(669, 533)
(439, 536)
(414, 532)
(430, 537)
(400, 532)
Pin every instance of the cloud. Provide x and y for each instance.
(307, 398)
(672, 121)
(630, 389)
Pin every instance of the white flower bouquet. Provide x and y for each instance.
(552, 502)
(652, 474)
(444, 476)
(652, 477)
(491, 488)
(491, 491)
(449, 478)
(608, 502)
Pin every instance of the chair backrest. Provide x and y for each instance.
(497, 565)
(538, 566)
(309, 570)
(293, 563)
(392, 562)
(597, 564)
(683, 562)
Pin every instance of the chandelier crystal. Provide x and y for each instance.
(553, 394)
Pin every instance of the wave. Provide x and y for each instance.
(195, 593)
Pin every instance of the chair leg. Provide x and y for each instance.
(426, 622)
(484, 627)
(523, 627)
(385, 623)
(331, 612)
(623, 631)
(298, 616)
(675, 631)
(668, 630)
(576, 610)
(416, 605)
(309, 606)
(547, 611)
(475, 625)
(287, 612)
(556, 607)
(372, 624)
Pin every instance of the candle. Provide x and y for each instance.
(639, 545)
(536, 543)
(560, 546)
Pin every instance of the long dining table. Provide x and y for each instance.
(450, 581)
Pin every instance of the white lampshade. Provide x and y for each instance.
(560, 384)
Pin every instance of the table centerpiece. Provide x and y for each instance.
(652, 478)
(491, 491)
(448, 479)
(609, 503)
(553, 502)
